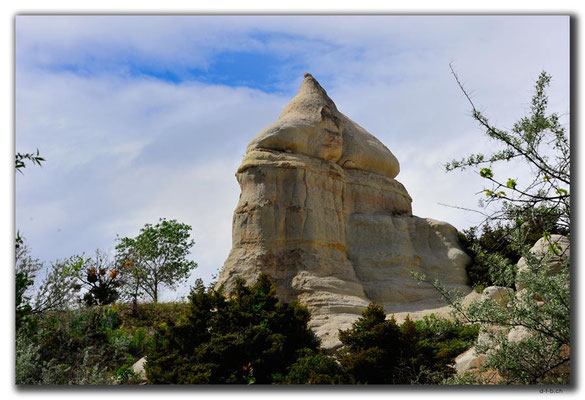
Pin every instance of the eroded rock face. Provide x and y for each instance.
(321, 213)
(311, 125)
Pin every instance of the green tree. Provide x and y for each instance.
(527, 211)
(55, 291)
(59, 286)
(26, 267)
(155, 258)
(372, 348)
(313, 368)
(248, 337)
(489, 246)
(377, 350)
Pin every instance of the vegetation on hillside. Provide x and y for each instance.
(249, 337)
(88, 345)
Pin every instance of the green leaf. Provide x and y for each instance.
(511, 183)
(486, 173)
(555, 249)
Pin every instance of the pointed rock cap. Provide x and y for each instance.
(310, 124)
(309, 100)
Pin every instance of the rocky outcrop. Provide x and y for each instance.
(321, 213)
(555, 249)
(499, 294)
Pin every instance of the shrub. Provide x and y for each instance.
(138, 341)
(28, 365)
(313, 368)
(484, 247)
(531, 209)
(246, 338)
(377, 350)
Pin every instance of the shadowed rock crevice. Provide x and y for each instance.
(321, 213)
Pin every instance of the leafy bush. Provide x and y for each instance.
(313, 368)
(540, 350)
(149, 315)
(138, 341)
(440, 341)
(125, 375)
(246, 338)
(28, 365)
(379, 351)
(26, 269)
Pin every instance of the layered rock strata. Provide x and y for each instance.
(321, 213)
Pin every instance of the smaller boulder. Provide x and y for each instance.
(138, 368)
(518, 334)
(542, 248)
(469, 361)
(501, 295)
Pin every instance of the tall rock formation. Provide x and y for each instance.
(321, 213)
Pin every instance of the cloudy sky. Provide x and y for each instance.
(149, 116)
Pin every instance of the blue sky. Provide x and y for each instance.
(257, 68)
(146, 117)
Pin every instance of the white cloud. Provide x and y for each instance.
(124, 153)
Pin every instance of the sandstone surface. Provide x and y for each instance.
(310, 124)
(469, 361)
(499, 294)
(321, 213)
(542, 248)
(138, 368)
